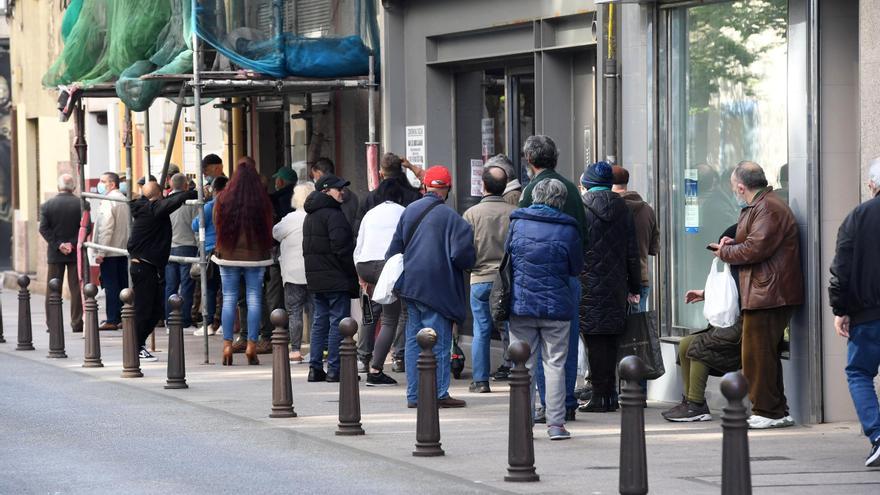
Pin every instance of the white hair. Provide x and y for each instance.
(874, 171)
(66, 183)
(300, 193)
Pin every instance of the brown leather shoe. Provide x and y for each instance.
(251, 353)
(227, 353)
(448, 402)
(264, 347)
(108, 326)
(239, 346)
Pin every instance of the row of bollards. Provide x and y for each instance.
(736, 473)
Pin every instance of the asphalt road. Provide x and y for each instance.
(63, 432)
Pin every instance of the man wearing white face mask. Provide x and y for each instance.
(767, 252)
(112, 225)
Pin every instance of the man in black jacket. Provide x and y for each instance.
(854, 294)
(328, 246)
(149, 247)
(59, 226)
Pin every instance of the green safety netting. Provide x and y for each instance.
(122, 40)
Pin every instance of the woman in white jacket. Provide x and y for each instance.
(289, 232)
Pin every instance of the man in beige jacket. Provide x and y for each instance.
(489, 219)
(112, 224)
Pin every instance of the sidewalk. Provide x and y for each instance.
(682, 458)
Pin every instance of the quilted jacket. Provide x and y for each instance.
(611, 264)
(546, 251)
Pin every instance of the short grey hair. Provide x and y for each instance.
(874, 171)
(750, 174)
(300, 193)
(550, 192)
(178, 182)
(501, 161)
(66, 183)
(541, 152)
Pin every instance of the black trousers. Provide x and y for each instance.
(148, 284)
(602, 355)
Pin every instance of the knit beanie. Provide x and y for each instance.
(597, 174)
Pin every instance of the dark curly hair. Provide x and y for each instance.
(244, 205)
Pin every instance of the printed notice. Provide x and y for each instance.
(415, 145)
(476, 177)
(488, 137)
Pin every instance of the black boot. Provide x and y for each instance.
(597, 404)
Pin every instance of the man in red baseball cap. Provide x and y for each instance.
(437, 247)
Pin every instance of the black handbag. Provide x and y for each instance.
(641, 338)
(502, 290)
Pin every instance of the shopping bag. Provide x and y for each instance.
(502, 290)
(641, 338)
(383, 293)
(721, 299)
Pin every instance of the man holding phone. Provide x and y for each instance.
(766, 250)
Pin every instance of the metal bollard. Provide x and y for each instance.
(520, 441)
(349, 393)
(25, 332)
(131, 361)
(633, 458)
(55, 320)
(427, 413)
(176, 357)
(736, 473)
(92, 358)
(282, 392)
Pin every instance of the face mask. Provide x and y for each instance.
(208, 180)
(102, 189)
(123, 188)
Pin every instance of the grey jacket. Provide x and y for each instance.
(181, 226)
(490, 219)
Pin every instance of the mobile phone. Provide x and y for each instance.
(710, 248)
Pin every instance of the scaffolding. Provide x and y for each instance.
(199, 86)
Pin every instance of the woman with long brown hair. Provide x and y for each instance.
(243, 221)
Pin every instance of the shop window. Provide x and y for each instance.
(726, 84)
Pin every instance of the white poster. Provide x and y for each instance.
(476, 177)
(415, 145)
(488, 140)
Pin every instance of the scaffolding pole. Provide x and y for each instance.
(81, 157)
(197, 109)
(173, 137)
(148, 144)
(372, 145)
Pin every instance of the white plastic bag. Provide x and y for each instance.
(383, 293)
(721, 306)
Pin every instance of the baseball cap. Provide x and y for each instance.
(438, 176)
(286, 173)
(330, 181)
(143, 180)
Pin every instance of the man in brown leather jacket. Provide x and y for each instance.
(767, 252)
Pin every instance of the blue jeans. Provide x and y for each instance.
(253, 281)
(330, 309)
(420, 316)
(114, 278)
(483, 325)
(177, 277)
(643, 298)
(863, 358)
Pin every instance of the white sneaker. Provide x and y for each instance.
(145, 355)
(761, 423)
(200, 332)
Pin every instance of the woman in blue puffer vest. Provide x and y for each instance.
(545, 251)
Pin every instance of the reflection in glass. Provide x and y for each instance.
(727, 88)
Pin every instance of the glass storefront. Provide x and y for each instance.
(725, 76)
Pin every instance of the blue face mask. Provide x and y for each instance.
(102, 189)
(123, 188)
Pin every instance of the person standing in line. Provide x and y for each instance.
(647, 232)
(111, 229)
(546, 251)
(243, 222)
(148, 248)
(350, 202)
(541, 154)
(213, 323)
(513, 189)
(183, 243)
(59, 226)
(611, 278)
(489, 219)
(212, 168)
(854, 294)
(289, 232)
(437, 247)
(767, 251)
(394, 187)
(328, 246)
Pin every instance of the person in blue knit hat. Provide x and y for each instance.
(610, 279)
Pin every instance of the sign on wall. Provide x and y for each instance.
(476, 177)
(415, 145)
